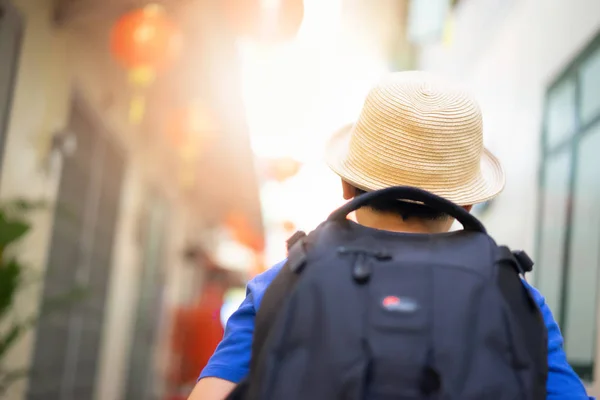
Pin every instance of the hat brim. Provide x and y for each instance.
(485, 186)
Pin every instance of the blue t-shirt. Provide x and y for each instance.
(232, 357)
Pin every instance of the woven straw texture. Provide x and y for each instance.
(417, 130)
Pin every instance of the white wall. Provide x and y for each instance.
(529, 44)
(40, 108)
(507, 53)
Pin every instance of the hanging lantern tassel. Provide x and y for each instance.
(140, 78)
(145, 41)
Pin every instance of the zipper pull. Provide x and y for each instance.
(362, 269)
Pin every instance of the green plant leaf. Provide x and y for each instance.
(10, 278)
(14, 275)
(11, 230)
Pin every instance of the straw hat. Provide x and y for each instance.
(415, 130)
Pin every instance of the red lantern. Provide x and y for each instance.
(144, 41)
(267, 20)
(146, 38)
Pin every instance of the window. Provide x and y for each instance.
(568, 235)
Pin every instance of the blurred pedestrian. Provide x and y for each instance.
(413, 131)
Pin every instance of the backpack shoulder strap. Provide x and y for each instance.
(272, 303)
(528, 325)
(274, 298)
(296, 246)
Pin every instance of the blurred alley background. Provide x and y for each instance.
(154, 156)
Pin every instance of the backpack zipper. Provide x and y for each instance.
(362, 268)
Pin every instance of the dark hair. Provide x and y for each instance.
(404, 209)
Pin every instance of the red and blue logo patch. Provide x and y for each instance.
(399, 304)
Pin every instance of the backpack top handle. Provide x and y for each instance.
(468, 221)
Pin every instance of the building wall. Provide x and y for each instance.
(55, 63)
(531, 42)
(507, 53)
(40, 107)
(52, 66)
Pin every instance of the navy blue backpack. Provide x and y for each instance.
(362, 314)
